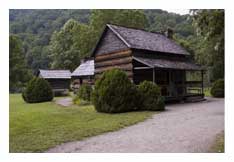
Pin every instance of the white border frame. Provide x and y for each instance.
(115, 4)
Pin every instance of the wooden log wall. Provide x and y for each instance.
(121, 60)
(59, 83)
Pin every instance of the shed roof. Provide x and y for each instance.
(85, 69)
(144, 40)
(55, 74)
(168, 64)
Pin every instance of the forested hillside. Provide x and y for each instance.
(61, 38)
(35, 27)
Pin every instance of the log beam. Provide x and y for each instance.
(125, 67)
(120, 54)
(112, 62)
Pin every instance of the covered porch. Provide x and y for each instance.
(179, 80)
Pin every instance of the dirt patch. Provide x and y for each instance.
(64, 101)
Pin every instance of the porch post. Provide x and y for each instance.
(184, 85)
(202, 85)
(153, 75)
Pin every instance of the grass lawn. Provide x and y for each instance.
(37, 127)
(218, 147)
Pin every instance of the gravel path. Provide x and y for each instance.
(64, 101)
(189, 127)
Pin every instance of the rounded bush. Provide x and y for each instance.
(114, 93)
(150, 96)
(37, 90)
(217, 89)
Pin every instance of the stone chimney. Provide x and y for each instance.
(84, 59)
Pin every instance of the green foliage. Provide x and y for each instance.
(160, 104)
(37, 90)
(19, 73)
(207, 91)
(217, 89)
(129, 18)
(114, 93)
(151, 96)
(63, 47)
(209, 25)
(80, 102)
(35, 28)
(83, 96)
(84, 92)
(161, 20)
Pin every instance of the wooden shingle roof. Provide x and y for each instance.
(168, 64)
(144, 40)
(54, 74)
(85, 69)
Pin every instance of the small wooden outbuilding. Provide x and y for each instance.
(149, 56)
(84, 73)
(58, 79)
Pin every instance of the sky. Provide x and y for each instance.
(179, 11)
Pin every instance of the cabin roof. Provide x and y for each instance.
(55, 74)
(168, 64)
(85, 69)
(144, 40)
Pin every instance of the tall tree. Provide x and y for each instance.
(64, 52)
(209, 25)
(128, 18)
(19, 73)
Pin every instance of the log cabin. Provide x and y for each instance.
(59, 79)
(149, 56)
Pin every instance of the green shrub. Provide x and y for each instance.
(37, 90)
(80, 102)
(84, 92)
(150, 96)
(114, 93)
(217, 89)
(161, 103)
(83, 96)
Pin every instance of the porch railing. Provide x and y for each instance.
(194, 87)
